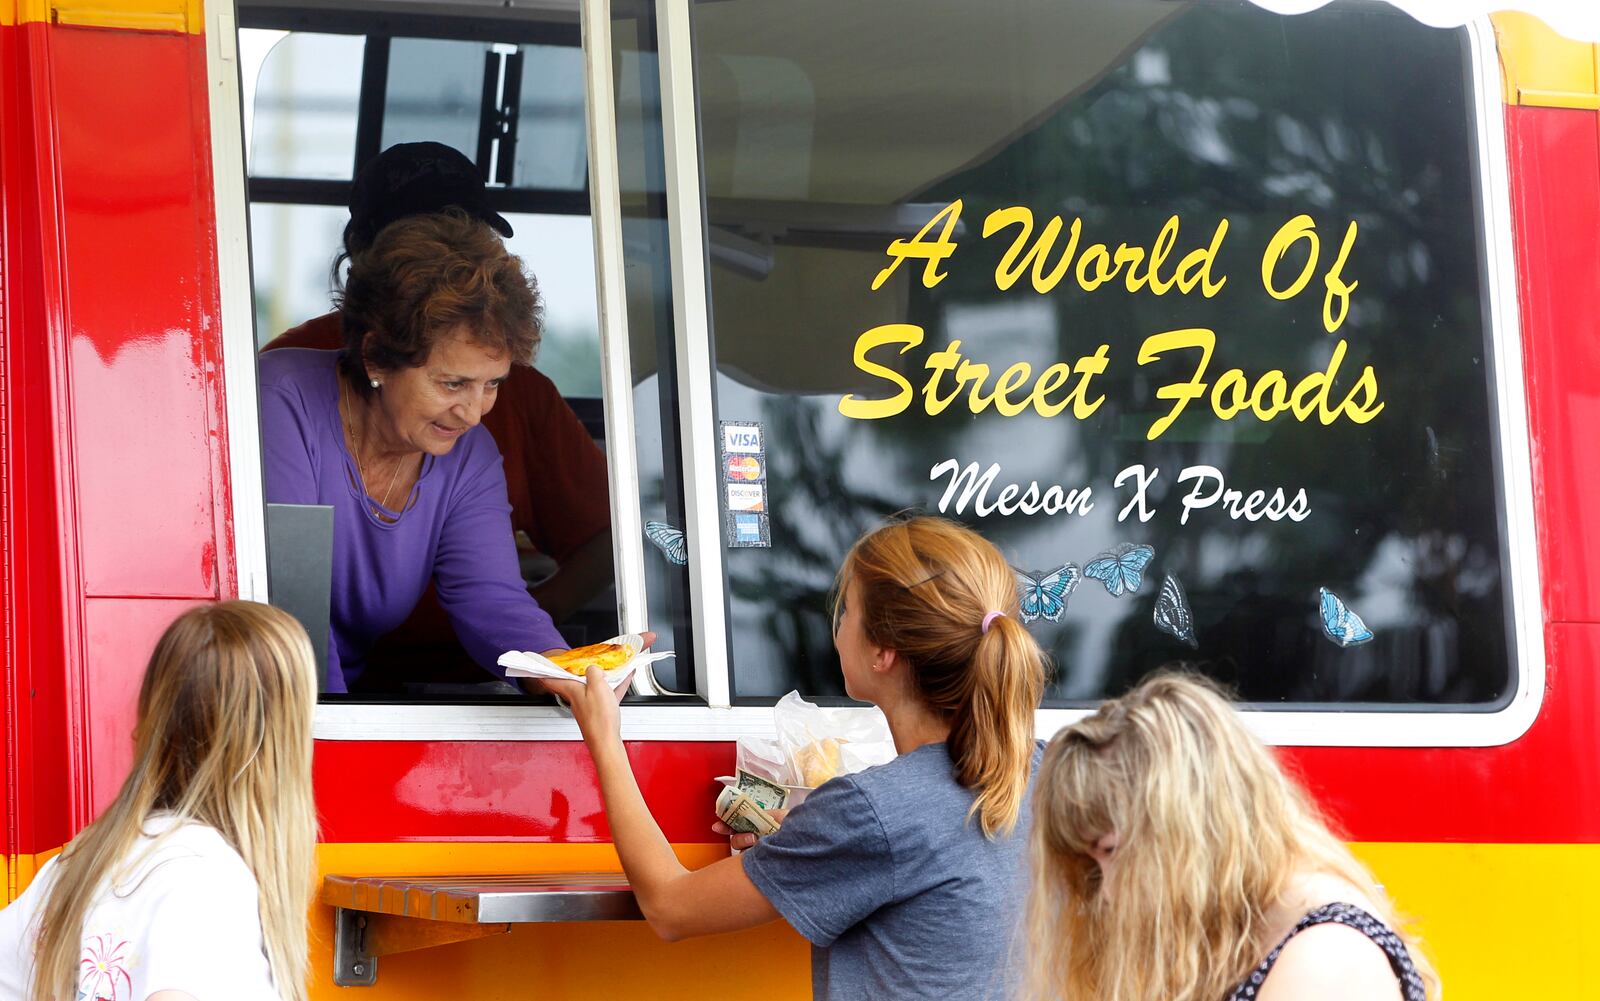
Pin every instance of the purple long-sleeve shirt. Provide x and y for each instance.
(457, 530)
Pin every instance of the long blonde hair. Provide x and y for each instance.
(1210, 833)
(223, 739)
(924, 586)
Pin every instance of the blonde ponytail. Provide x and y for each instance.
(926, 585)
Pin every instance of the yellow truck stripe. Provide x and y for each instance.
(186, 16)
(1543, 69)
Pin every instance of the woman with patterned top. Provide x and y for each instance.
(194, 883)
(1175, 861)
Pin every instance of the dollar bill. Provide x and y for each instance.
(768, 795)
(744, 815)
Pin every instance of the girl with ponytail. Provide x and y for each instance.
(907, 878)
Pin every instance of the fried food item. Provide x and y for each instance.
(605, 655)
(817, 762)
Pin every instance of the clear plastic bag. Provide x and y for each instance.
(762, 757)
(817, 743)
(814, 745)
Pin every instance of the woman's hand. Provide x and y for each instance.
(595, 705)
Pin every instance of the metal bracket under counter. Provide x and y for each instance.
(381, 915)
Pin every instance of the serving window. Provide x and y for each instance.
(326, 89)
(1184, 306)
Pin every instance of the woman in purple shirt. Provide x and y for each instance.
(386, 431)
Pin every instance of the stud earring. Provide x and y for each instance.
(376, 384)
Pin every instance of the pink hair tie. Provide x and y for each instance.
(990, 618)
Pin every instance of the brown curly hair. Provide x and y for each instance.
(425, 277)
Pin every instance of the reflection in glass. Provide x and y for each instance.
(1120, 115)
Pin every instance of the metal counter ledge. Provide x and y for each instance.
(380, 915)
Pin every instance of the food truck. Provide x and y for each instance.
(1256, 340)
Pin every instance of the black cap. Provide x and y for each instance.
(412, 179)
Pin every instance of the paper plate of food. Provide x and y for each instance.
(618, 657)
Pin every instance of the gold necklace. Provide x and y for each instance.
(385, 502)
(355, 450)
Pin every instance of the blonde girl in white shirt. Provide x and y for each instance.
(194, 884)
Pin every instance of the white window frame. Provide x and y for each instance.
(236, 301)
(717, 719)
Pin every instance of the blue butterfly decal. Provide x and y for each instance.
(669, 540)
(1172, 611)
(1122, 569)
(1341, 624)
(1044, 595)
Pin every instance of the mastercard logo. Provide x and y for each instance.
(744, 467)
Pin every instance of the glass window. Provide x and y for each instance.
(304, 107)
(1127, 190)
(291, 260)
(559, 251)
(648, 277)
(552, 136)
(434, 92)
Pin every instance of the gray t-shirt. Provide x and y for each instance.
(899, 893)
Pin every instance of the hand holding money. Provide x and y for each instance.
(745, 807)
(739, 842)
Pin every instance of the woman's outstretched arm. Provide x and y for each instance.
(678, 902)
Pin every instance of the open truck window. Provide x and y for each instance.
(326, 89)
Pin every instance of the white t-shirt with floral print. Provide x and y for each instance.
(182, 919)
